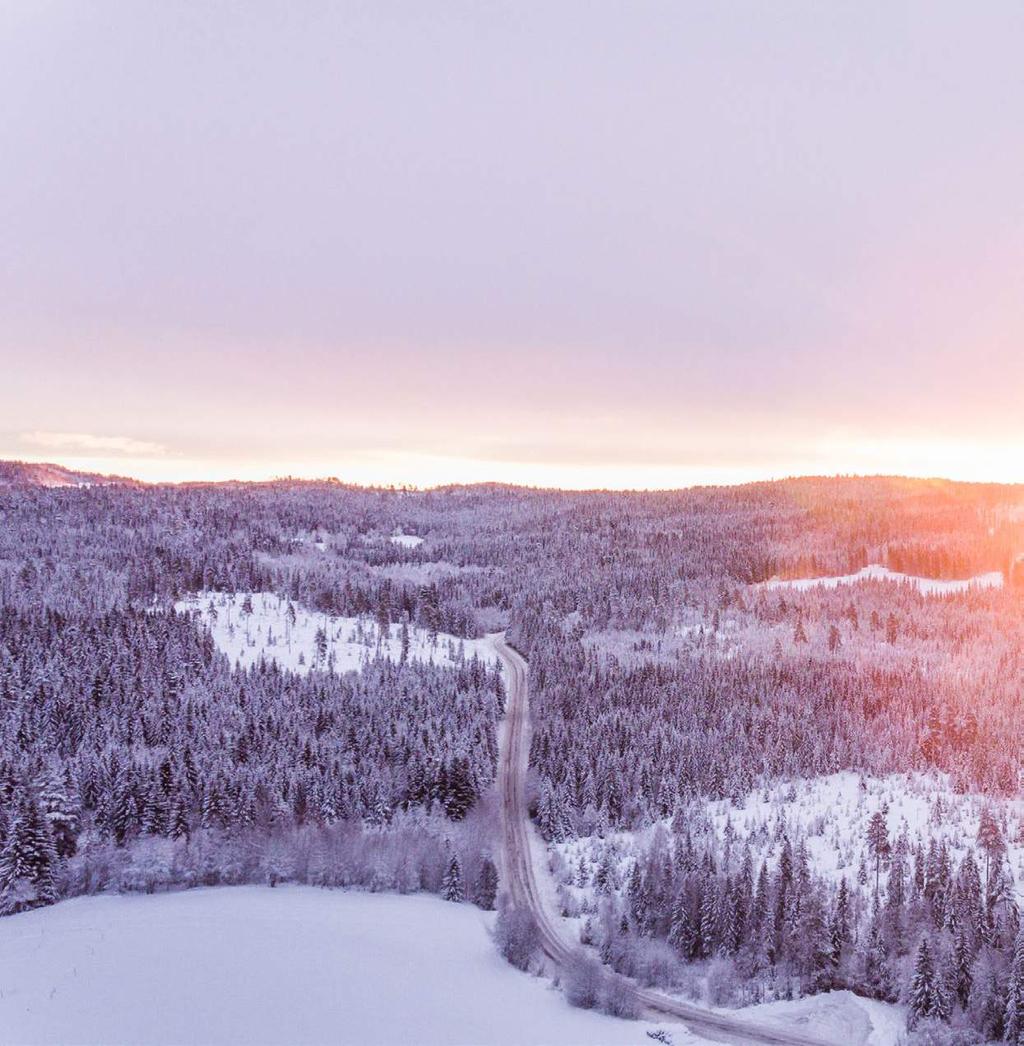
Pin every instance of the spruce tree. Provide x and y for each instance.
(1013, 1015)
(179, 823)
(59, 804)
(963, 964)
(451, 884)
(990, 842)
(605, 875)
(839, 928)
(709, 913)
(878, 842)
(680, 934)
(487, 885)
(461, 794)
(27, 861)
(125, 815)
(636, 898)
(927, 992)
(878, 982)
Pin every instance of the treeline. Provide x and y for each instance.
(623, 558)
(910, 926)
(130, 726)
(621, 745)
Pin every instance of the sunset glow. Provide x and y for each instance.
(953, 460)
(540, 483)
(249, 248)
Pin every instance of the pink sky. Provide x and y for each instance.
(573, 244)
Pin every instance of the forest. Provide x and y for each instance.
(667, 668)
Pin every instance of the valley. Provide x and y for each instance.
(690, 797)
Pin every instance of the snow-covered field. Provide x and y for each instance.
(406, 540)
(252, 965)
(278, 630)
(927, 586)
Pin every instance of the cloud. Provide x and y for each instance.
(86, 442)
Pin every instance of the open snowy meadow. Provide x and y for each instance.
(253, 626)
(248, 965)
(876, 572)
(829, 816)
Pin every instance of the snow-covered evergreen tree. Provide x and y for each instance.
(486, 894)
(60, 807)
(1013, 1016)
(451, 884)
(27, 861)
(926, 996)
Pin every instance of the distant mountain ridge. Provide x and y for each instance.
(876, 488)
(44, 474)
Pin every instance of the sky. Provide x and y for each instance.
(562, 244)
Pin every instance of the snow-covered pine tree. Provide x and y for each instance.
(59, 804)
(898, 876)
(451, 884)
(1013, 1015)
(680, 934)
(125, 817)
(990, 842)
(582, 872)
(154, 811)
(877, 981)
(760, 907)
(604, 876)
(927, 992)
(878, 842)
(461, 793)
(637, 899)
(962, 969)
(547, 819)
(487, 885)
(27, 860)
(709, 915)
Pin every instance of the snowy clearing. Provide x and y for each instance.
(406, 540)
(291, 965)
(275, 629)
(925, 585)
(831, 815)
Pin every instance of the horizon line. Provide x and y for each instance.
(114, 478)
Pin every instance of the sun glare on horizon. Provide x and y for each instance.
(924, 459)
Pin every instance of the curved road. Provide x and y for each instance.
(519, 842)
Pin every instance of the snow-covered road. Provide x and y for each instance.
(523, 867)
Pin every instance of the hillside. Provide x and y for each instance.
(47, 474)
(275, 683)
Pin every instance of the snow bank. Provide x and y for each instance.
(925, 585)
(838, 1016)
(251, 965)
(278, 630)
